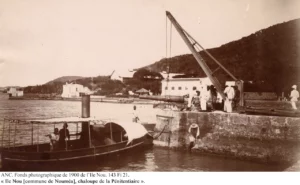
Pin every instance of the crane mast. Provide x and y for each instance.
(196, 54)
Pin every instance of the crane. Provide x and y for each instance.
(192, 45)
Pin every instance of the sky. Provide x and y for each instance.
(41, 40)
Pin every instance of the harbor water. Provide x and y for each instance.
(154, 159)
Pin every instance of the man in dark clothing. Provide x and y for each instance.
(63, 134)
(213, 96)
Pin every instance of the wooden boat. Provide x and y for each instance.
(104, 138)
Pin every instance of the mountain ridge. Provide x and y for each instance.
(270, 55)
(64, 79)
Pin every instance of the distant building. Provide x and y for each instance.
(182, 86)
(165, 75)
(15, 92)
(123, 76)
(74, 90)
(142, 91)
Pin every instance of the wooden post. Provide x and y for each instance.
(241, 89)
(2, 133)
(15, 133)
(9, 135)
(90, 140)
(38, 134)
(66, 139)
(31, 133)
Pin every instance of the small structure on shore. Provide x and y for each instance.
(15, 92)
(74, 90)
(142, 91)
(123, 76)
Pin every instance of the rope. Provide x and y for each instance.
(155, 137)
(170, 49)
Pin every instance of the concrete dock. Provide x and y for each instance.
(270, 139)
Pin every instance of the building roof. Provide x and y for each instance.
(164, 74)
(205, 80)
(142, 90)
(122, 74)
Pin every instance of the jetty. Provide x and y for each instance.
(257, 131)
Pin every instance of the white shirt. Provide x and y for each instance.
(294, 95)
(230, 92)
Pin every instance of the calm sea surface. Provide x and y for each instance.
(155, 159)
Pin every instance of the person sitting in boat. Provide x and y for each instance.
(53, 139)
(63, 135)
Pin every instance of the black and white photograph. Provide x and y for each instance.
(149, 86)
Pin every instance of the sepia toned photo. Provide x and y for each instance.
(149, 86)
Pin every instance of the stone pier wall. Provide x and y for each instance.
(269, 139)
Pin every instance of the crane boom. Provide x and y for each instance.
(197, 56)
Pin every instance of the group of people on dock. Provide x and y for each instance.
(198, 99)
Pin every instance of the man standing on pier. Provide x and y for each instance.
(229, 92)
(190, 99)
(294, 97)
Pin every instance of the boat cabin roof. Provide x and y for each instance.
(67, 120)
(133, 130)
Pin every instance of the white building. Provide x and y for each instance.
(182, 86)
(122, 75)
(165, 75)
(15, 92)
(74, 90)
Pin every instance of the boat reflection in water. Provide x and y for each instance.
(93, 139)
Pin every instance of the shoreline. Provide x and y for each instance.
(102, 100)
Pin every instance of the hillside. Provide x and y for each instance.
(270, 56)
(65, 79)
(101, 84)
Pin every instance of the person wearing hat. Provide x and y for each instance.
(230, 93)
(53, 139)
(204, 97)
(196, 101)
(294, 96)
(194, 133)
(191, 97)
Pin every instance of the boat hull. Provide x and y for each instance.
(62, 160)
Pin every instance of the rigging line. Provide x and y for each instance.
(166, 88)
(166, 38)
(170, 50)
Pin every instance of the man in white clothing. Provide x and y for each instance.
(191, 95)
(229, 92)
(204, 96)
(294, 97)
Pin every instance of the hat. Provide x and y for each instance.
(294, 86)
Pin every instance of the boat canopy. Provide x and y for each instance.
(133, 130)
(67, 120)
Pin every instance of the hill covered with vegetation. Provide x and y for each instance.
(270, 58)
(65, 79)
